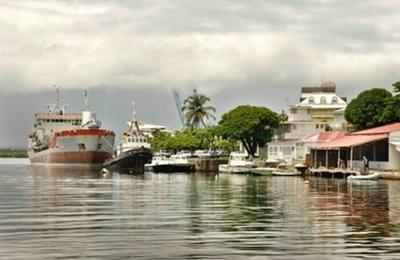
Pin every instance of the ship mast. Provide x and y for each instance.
(56, 108)
(85, 93)
(57, 96)
(134, 121)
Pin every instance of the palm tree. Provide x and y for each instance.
(195, 110)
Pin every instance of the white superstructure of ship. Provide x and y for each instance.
(133, 150)
(65, 138)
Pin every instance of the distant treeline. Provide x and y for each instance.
(13, 153)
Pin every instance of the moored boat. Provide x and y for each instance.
(373, 176)
(133, 150)
(69, 139)
(177, 163)
(237, 164)
(286, 173)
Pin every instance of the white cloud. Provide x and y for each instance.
(180, 44)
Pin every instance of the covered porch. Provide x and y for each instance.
(347, 152)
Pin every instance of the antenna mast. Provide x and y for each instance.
(85, 94)
(134, 121)
(133, 112)
(57, 96)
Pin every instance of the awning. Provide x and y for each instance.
(350, 140)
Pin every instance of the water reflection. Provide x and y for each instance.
(52, 213)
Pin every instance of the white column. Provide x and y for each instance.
(338, 158)
(351, 157)
(315, 159)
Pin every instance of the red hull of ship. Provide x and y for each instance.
(89, 157)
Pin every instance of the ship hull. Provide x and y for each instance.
(89, 158)
(132, 160)
(171, 168)
(81, 147)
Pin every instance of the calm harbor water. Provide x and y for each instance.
(58, 213)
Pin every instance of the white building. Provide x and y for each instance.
(319, 109)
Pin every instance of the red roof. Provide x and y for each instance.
(323, 137)
(379, 130)
(351, 140)
(329, 136)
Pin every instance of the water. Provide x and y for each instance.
(70, 213)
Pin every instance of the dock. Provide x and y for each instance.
(333, 172)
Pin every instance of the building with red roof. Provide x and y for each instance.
(380, 145)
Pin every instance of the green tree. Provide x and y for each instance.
(251, 125)
(196, 110)
(226, 145)
(391, 112)
(366, 110)
(185, 139)
(396, 86)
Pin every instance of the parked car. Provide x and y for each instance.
(164, 153)
(201, 153)
(186, 153)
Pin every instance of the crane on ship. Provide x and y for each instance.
(178, 104)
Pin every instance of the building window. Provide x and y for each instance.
(311, 100)
(99, 146)
(273, 151)
(334, 100)
(323, 100)
(82, 147)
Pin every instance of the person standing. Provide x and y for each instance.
(365, 164)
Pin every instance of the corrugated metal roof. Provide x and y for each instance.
(379, 130)
(329, 136)
(351, 140)
(358, 138)
(324, 137)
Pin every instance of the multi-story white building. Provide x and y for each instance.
(318, 110)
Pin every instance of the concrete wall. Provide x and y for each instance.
(299, 114)
(373, 165)
(282, 151)
(394, 158)
(207, 164)
(301, 129)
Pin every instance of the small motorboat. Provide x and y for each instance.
(277, 173)
(177, 163)
(237, 164)
(373, 176)
(301, 167)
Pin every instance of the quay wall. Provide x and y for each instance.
(388, 175)
(207, 164)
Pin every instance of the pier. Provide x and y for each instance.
(333, 172)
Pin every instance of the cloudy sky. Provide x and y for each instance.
(237, 52)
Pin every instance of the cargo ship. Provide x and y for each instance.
(69, 139)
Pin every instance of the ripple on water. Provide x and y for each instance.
(69, 213)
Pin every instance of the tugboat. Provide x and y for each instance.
(69, 139)
(133, 150)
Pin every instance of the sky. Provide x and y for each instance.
(258, 52)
